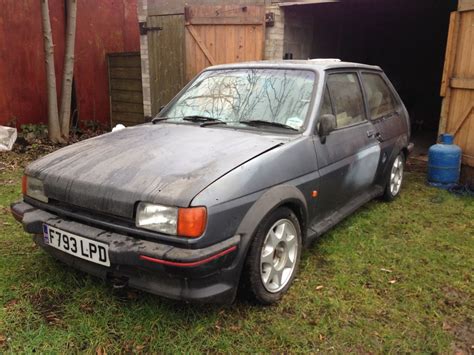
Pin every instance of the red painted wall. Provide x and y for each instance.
(103, 26)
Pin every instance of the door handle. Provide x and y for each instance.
(374, 134)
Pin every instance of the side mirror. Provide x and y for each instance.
(327, 124)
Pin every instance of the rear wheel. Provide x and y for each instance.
(274, 256)
(395, 179)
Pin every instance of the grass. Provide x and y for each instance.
(392, 278)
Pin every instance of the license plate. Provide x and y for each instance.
(80, 247)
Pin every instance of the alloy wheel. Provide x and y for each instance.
(279, 255)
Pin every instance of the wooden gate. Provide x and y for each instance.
(125, 89)
(219, 34)
(457, 87)
(166, 58)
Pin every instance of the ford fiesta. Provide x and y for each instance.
(243, 168)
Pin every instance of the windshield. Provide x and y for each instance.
(273, 97)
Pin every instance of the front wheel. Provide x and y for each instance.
(274, 256)
(395, 179)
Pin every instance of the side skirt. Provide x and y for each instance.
(322, 226)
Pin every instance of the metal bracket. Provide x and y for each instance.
(270, 19)
(144, 29)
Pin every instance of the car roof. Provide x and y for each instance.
(319, 64)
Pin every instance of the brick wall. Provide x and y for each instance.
(274, 35)
(142, 9)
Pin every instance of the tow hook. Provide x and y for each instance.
(119, 282)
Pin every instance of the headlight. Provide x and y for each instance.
(184, 222)
(33, 187)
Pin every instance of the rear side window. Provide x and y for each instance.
(346, 96)
(379, 97)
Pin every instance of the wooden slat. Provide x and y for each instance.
(127, 117)
(463, 120)
(201, 44)
(174, 7)
(462, 83)
(450, 52)
(125, 84)
(125, 62)
(127, 96)
(118, 106)
(465, 5)
(225, 21)
(126, 73)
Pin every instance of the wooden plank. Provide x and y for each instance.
(125, 62)
(465, 5)
(126, 84)
(201, 44)
(127, 117)
(218, 13)
(225, 21)
(462, 83)
(127, 107)
(127, 96)
(463, 120)
(126, 73)
(305, 2)
(450, 51)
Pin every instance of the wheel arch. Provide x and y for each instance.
(279, 196)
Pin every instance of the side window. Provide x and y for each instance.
(379, 97)
(346, 96)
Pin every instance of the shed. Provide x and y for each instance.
(425, 47)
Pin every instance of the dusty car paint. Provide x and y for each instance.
(239, 175)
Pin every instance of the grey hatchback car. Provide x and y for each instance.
(248, 164)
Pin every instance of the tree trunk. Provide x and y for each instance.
(54, 130)
(65, 117)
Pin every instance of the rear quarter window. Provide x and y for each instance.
(379, 96)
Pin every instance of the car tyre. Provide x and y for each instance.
(274, 255)
(395, 178)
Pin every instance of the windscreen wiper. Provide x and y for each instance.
(267, 123)
(159, 119)
(206, 121)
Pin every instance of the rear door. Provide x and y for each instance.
(384, 111)
(349, 157)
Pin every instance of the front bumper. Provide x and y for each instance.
(204, 275)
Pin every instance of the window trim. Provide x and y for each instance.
(344, 71)
(390, 89)
(239, 66)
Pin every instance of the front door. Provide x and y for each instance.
(349, 157)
